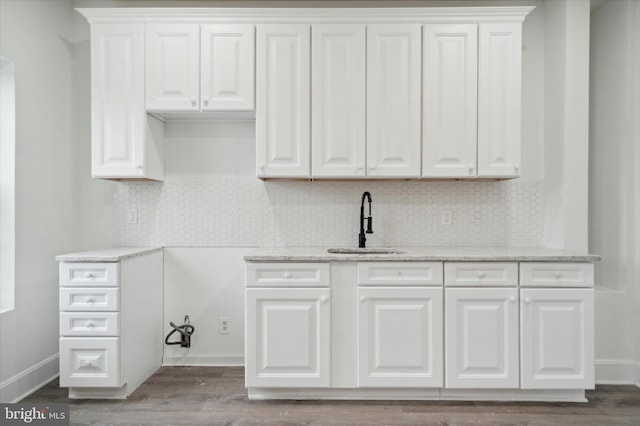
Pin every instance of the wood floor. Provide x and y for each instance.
(216, 396)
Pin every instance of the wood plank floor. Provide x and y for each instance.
(216, 396)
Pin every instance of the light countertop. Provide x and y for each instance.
(113, 254)
(453, 254)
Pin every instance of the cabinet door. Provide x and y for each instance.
(400, 337)
(557, 338)
(393, 100)
(481, 329)
(283, 100)
(172, 63)
(338, 100)
(288, 337)
(227, 67)
(117, 100)
(499, 81)
(450, 66)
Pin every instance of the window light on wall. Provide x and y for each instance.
(7, 183)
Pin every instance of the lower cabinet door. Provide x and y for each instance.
(481, 329)
(288, 337)
(557, 338)
(400, 337)
(90, 362)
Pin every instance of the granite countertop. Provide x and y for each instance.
(454, 254)
(114, 254)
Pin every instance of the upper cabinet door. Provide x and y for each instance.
(117, 100)
(283, 100)
(172, 67)
(499, 81)
(227, 77)
(393, 100)
(338, 100)
(450, 66)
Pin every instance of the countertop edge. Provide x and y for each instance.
(418, 258)
(115, 254)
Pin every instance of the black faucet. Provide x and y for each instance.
(362, 239)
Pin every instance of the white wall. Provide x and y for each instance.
(614, 206)
(52, 184)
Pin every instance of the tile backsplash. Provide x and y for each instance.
(242, 211)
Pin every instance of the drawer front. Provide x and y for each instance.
(539, 274)
(480, 274)
(89, 324)
(88, 274)
(401, 273)
(288, 274)
(89, 299)
(90, 362)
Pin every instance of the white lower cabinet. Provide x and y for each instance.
(481, 329)
(110, 325)
(420, 330)
(557, 338)
(288, 337)
(400, 337)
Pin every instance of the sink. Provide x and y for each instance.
(373, 250)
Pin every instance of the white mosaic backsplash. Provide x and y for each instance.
(242, 211)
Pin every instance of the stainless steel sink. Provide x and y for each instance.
(373, 250)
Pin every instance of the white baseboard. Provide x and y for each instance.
(617, 372)
(30, 380)
(205, 361)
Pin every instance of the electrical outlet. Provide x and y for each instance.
(224, 325)
(447, 217)
(132, 216)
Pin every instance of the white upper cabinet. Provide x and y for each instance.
(499, 92)
(393, 100)
(338, 100)
(191, 67)
(227, 67)
(283, 100)
(450, 67)
(125, 142)
(172, 67)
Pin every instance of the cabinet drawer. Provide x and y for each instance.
(537, 274)
(402, 273)
(90, 362)
(89, 324)
(89, 299)
(288, 274)
(88, 274)
(480, 274)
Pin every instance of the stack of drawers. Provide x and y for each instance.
(90, 325)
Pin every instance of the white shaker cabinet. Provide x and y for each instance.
(400, 337)
(283, 100)
(125, 141)
(481, 329)
(450, 69)
(393, 100)
(192, 67)
(499, 104)
(557, 338)
(338, 100)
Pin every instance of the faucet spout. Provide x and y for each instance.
(362, 240)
